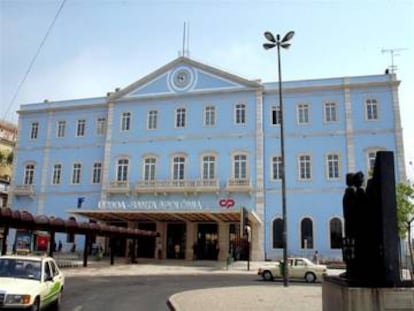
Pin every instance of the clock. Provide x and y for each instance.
(182, 78)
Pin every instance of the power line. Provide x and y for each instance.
(33, 60)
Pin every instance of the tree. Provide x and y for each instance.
(405, 213)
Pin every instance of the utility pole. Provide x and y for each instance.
(393, 52)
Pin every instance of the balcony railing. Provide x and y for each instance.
(239, 185)
(23, 190)
(177, 186)
(118, 187)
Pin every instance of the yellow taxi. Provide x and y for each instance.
(30, 282)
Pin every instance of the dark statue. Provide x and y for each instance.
(371, 243)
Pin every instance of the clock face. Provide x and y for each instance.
(181, 78)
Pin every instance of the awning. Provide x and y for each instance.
(164, 216)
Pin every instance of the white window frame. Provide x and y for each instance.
(304, 167)
(178, 167)
(97, 173)
(209, 116)
(101, 126)
(240, 113)
(122, 169)
(240, 166)
(29, 171)
(333, 164)
(371, 109)
(126, 121)
(275, 115)
(61, 128)
(180, 117)
(208, 166)
(276, 168)
(76, 173)
(303, 114)
(81, 128)
(149, 168)
(152, 120)
(34, 130)
(57, 174)
(330, 112)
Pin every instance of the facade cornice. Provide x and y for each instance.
(303, 89)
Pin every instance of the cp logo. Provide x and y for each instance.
(227, 203)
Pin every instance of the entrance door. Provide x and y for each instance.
(207, 242)
(176, 235)
(146, 244)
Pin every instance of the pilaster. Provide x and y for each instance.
(349, 128)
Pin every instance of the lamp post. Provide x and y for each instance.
(284, 43)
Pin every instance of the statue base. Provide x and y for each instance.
(339, 295)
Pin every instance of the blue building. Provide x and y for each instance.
(184, 149)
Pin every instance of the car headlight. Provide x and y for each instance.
(17, 299)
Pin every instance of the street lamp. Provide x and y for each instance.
(284, 43)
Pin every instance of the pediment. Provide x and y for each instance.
(183, 75)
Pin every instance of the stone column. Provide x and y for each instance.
(190, 238)
(161, 228)
(223, 240)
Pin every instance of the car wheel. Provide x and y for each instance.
(267, 276)
(310, 277)
(36, 305)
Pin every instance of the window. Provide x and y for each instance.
(305, 167)
(306, 233)
(97, 173)
(149, 168)
(29, 174)
(126, 121)
(335, 229)
(80, 129)
(371, 107)
(101, 126)
(276, 115)
(332, 166)
(122, 170)
(240, 114)
(76, 173)
(152, 119)
(330, 112)
(34, 130)
(371, 160)
(209, 167)
(180, 117)
(178, 168)
(240, 166)
(209, 116)
(57, 173)
(61, 129)
(303, 113)
(277, 168)
(278, 233)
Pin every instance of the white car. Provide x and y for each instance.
(299, 268)
(30, 282)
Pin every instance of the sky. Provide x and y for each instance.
(96, 46)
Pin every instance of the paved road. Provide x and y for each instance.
(141, 292)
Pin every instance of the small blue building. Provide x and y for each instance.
(184, 149)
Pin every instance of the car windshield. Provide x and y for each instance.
(20, 268)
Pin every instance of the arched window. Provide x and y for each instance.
(306, 229)
(278, 233)
(335, 230)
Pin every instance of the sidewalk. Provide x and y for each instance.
(247, 298)
(266, 296)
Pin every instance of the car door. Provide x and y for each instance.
(298, 268)
(53, 282)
